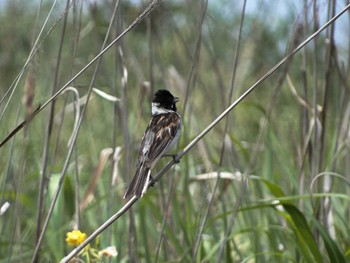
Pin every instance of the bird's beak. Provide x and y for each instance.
(176, 99)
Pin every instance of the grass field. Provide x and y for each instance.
(269, 182)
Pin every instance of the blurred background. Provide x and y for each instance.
(270, 182)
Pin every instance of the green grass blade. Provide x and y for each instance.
(307, 243)
(334, 253)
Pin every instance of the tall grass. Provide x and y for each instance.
(268, 183)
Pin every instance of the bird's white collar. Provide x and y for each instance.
(157, 110)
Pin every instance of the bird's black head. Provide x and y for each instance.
(164, 99)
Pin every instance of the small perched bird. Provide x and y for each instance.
(160, 136)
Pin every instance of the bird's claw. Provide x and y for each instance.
(152, 181)
(172, 156)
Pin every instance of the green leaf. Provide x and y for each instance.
(334, 253)
(69, 196)
(275, 189)
(306, 241)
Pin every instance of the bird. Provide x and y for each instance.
(161, 134)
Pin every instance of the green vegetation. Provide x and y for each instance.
(282, 153)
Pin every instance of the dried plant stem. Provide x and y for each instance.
(43, 176)
(8, 173)
(192, 75)
(165, 217)
(325, 208)
(138, 20)
(191, 82)
(314, 153)
(32, 52)
(222, 154)
(99, 230)
(256, 84)
(76, 131)
(305, 113)
(36, 47)
(177, 158)
(115, 160)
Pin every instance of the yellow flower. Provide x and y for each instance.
(75, 238)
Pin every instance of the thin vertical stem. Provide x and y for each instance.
(222, 154)
(43, 176)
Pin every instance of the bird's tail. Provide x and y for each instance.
(139, 183)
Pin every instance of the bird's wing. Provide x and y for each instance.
(158, 136)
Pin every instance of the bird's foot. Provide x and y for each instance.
(152, 181)
(172, 156)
